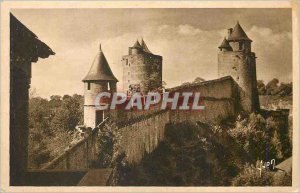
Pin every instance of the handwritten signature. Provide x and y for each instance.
(270, 165)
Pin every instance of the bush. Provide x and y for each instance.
(274, 88)
(259, 137)
(251, 177)
(109, 139)
(51, 126)
(190, 155)
(282, 179)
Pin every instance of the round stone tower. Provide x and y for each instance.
(99, 79)
(142, 70)
(237, 60)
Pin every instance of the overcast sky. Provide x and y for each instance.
(188, 40)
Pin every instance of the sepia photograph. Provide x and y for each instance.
(139, 95)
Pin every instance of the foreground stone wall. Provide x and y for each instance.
(78, 157)
(143, 136)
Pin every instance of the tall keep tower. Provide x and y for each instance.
(99, 79)
(142, 70)
(237, 60)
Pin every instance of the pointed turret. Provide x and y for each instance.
(98, 80)
(225, 45)
(100, 69)
(144, 47)
(240, 64)
(138, 65)
(238, 34)
(137, 44)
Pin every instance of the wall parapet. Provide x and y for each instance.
(143, 117)
(79, 156)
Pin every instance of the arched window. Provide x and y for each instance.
(241, 46)
(108, 86)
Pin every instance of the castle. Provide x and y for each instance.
(142, 72)
(99, 79)
(238, 61)
(142, 131)
(225, 97)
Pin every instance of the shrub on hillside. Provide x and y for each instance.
(190, 155)
(109, 139)
(51, 126)
(274, 88)
(259, 137)
(250, 176)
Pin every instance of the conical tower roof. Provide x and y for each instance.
(238, 34)
(144, 47)
(100, 70)
(225, 44)
(137, 44)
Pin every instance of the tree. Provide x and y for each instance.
(109, 144)
(198, 80)
(261, 87)
(185, 83)
(55, 101)
(39, 113)
(32, 93)
(272, 87)
(69, 114)
(50, 123)
(258, 137)
(285, 89)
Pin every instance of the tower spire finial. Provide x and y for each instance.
(100, 49)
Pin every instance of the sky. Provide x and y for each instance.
(187, 39)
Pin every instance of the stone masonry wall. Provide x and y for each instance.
(242, 67)
(143, 136)
(141, 131)
(78, 157)
(138, 67)
(214, 112)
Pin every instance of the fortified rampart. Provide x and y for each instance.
(141, 131)
(80, 156)
(219, 97)
(143, 135)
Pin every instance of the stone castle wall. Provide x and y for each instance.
(214, 112)
(143, 136)
(242, 67)
(79, 156)
(141, 131)
(138, 67)
(218, 88)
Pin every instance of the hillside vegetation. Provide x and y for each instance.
(205, 155)
(52, 127)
